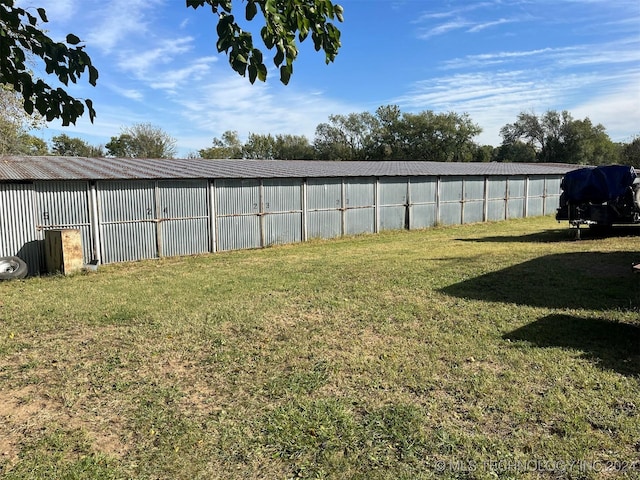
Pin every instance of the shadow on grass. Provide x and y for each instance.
(547, 236)
(586, 280)
(610, 345)
(560, 235)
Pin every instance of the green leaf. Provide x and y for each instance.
(253, 73)
(262, 72)
(28, 106)
(93, 75)
(72, 39)
(252, 10)
(279, 58)
(43, 14)
(285, 73)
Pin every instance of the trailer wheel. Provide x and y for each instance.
(12, 267)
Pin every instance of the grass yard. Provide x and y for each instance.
(501, 350)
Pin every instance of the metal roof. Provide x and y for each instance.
(23, 168)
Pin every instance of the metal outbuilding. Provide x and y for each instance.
(134, 209)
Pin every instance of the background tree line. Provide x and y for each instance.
(387, 134)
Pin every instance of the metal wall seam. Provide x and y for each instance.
(213, 223)
(95, 228)
(376, 205)
(303, 199)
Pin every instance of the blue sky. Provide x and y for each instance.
(491, 59)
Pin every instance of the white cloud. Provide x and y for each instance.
(118, 20)
(58, 11)
(618, 111)
(140, 59)
(443, 28)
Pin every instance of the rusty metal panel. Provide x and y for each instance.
(324, 224)
(18, 233)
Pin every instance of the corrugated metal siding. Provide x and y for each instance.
(423, 193)
(238, 232)
(324, 224)
(183, 209)
(324, 207)
(496, 198)
(359, 220)
(282, 204)
(140, 219)
(473, 208)
(324, 194)
(535, 197)
(451, 195)
(359, 202)
(238, 214)
(128, 220)
(64, 205)
(127, 242)
(516, 187)
(18, 235)
(393, 203)
(282, 228)
(552, 194)
(184, 237)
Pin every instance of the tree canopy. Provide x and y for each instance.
(142, 140)
(557, 137)
(67, 146)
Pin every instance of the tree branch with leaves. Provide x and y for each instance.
(21, 37)
(285, 21)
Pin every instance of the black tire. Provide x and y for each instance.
(12, 267)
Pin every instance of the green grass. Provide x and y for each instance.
(483, 351)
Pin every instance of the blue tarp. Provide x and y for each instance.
(597, 185)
